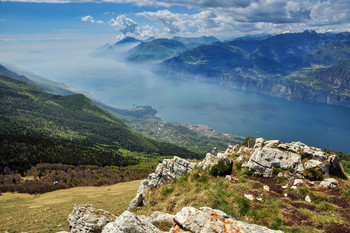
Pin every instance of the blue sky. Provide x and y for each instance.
(38, 32)
(143, 18)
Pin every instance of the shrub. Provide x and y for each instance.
(313, 174)
(220, 169)
(248, 142)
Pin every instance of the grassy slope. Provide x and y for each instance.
(49, 212)
(328, 211)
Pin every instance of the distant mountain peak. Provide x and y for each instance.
(127, 40)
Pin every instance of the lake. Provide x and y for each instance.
(227, 110)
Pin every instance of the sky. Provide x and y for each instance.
(112, 20)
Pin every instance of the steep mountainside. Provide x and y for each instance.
(260, 65)
(44, 83)
(208, 60)
(330, 54)
(156, 50)
(29, 114)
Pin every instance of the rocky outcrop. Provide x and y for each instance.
(211, 220)
(189, 219)
(168, 170)
(211, 160)
(127, 222)
(265, 157)
(86, 219)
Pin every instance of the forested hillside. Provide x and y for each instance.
(38, 127)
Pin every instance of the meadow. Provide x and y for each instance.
(49, 212)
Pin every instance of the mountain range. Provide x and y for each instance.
(265, 64)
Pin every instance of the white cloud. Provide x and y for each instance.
(129, 27)
(124, 24)
(88, 18)
(223, 16)
(180, 23)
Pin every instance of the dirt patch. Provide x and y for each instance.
(272, 183)
(336, 228)
(341, 202)
(345, 213)
(294, 218)
(302, 205)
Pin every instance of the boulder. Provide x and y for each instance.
(298, 181)
(329, 183)
(158, 216)
(168, 170)
(312, 163)
(335, 167)
(208, 161)
(127, 222)
(85, 218)
(211, 160)
(263, 160)
(207, 220)
(231, 150)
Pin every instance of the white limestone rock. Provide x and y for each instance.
(249, 197)
(158, 216)
(297, 182)
(312, 163)
(329, 183)
(307, 198)
(263, 160)
(86, 219)
(127, 222)
(211, 160)
(168, 170)
(267, 188)
(231, 150)
(207, 220)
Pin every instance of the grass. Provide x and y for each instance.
(49, 212)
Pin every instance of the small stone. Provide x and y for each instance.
(249, 197)
(259, 199)
(329, 183)
(293, 187)
(286, 194)
(307, 198)
(312, 182)
(228, 177)
(285, 186)
(267, 188)
(298, 181)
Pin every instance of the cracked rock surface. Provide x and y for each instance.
(168, 170)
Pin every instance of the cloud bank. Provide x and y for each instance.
(225, 17)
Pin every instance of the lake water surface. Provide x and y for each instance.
(227, 110)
